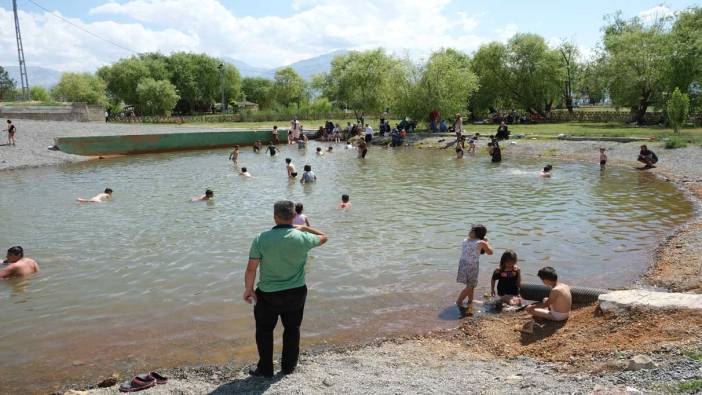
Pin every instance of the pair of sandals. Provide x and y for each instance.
(142, 382)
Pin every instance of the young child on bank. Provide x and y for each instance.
(508, 278)
(468, 266)
(345, 203)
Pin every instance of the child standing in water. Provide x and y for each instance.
(234, 156)
(345, 203)
(546, 172)
(300, 219)
(603, 159)
(468, 266)
(508, 278)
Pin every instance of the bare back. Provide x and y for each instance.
(21, 268)
(560, 299)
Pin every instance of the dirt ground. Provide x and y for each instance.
(587, 340)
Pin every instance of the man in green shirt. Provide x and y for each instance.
(280, 255)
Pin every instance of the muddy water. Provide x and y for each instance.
(151, 280)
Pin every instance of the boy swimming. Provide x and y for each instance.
(209, 195)
(603, 159)
(99, 198)
(245, 173)
(234, 155)
(308, 175)
(17, 264)
(292, 173)
(272, 149)
(546, 172)
(345, 203)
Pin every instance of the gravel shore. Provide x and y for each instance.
(434, 364)
(423, 366)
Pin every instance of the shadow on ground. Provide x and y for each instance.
(249, 385)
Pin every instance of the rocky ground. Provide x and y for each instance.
(590, 353)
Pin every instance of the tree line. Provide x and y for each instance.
(637, 65)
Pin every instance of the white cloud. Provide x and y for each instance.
(655, 13)
(315, 27)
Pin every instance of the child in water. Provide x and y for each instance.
(546, 172)
(300, 219)
(272, 149)
(472, 143)
(345, 203)
(308, 175)
(319, 151)
(234, 155)
(508, 278)
(459, 147)
(245, 172)
(603, 159)
(468, 266)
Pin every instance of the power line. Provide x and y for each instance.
(56, 15)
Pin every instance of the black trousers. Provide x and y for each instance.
(290, 306)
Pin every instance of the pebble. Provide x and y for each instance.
(638, 362)
(328, 382)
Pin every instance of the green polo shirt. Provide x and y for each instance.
(283, 255)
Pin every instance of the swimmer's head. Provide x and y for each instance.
(319, 149)
(8, 121)
(209, 193)
(243, 170)
(330, 149)
(548, 275)
(108, 191)
(308, 168)
(477, 135)
(477, 232)
(288, 160)
(644, 147)
(236, 146)
(602, 149)
(509, 258)
(345, 198)
(547, 168)
(299, 207)
(275, 127)
(14, 254)
(284, 211)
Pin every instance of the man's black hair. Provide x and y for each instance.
(548, 273)
(16, 251)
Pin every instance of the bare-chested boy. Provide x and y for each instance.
(209, 195)
(99, 198)
(17, 264)
(557, 306)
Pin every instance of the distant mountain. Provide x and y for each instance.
(37, 76)
(306, 68)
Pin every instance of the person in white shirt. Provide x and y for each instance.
(369, 133)
(300, 219)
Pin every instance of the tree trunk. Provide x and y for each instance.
(640, 111)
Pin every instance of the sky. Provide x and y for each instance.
(82, 35)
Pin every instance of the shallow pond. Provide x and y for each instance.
(152, 280)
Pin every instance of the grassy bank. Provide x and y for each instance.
(546, 130)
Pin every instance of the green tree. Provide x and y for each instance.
(363, 81)
(489, 64)
(7, 86)
(39, 93)
(258, 90)
(636, 58)
(686, 62)
(444, 83)
(677, 109)
(156, 97)
(123, 77)
(80, 87)
(289, 87)
(197, 79)
(570, 70)
(591, 81)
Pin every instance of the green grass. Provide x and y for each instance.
(545, 130)
(694, 355)
(675, 142)
(691, 386)
(32, 103)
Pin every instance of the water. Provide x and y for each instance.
(151, 280)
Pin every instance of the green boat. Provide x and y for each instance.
(163, 142)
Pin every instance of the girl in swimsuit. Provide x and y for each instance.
(508, 278)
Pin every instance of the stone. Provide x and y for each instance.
(617, 364)
(328, 382)
(638, 362)
(108, 382)
(620, 301)
(78, 363)
(75, 392)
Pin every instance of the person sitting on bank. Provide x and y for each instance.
(17, 265)
(99, 198)
(280, 256)
(557, 306)
(502, 131)
(647, 157)
(209, 195)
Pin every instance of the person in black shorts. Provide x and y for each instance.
(11, 130)
(603, 159)
(272, 149)
(362, 149)
(508, 278)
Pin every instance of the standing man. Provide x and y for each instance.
(280, 255)
(369, 133)
(11, 130)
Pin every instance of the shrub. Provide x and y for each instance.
(675, 142)
(39, 93)
(677, 109)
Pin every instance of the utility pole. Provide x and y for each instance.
(20, 55)
(221, 86)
